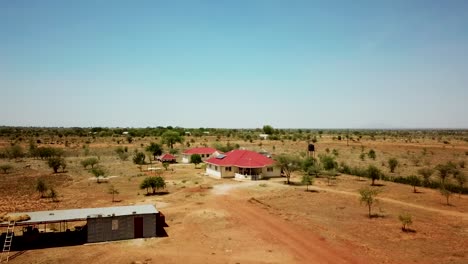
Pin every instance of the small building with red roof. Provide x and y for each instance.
(204, 152)
(242, 164)
(167, 158)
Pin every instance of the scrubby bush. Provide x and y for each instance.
(6, 168)
(41, 187)
(372, 154)
(139, 158)
(195, 159)
(392, 164)
(89, 162)
(99, 172)
(328, 162)
(56, 163)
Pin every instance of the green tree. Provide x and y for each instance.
(165, 165)
(99, 172)
(406, 220)
(6, 168)
(154, 183)
(288, 164)
(426, 173)
(139, 158)
(392, 164)
(445, 170)
(368, 197)
(307, 163)
(328, 162)
(195, 159)
(307, 180)
(170, 138)
(446, 193)
(372, 154)
(414, 181)
(56, 163)
(155, 149)
(113, 191)
(267, 129)
(373, 173)
(41, 187)
(461, 180)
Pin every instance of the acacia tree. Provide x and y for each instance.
(170, 138)
(56, 163)
(155, 149)
(368, 197)
(445, 170)
(113, 191)
(446, 193)
(392, 164)
(288, 164)
(414, 181)
(139, 159)
(267, 129)
(373, 173)
(426, 173)
(154, 183)
(307, 180)
(406, 220)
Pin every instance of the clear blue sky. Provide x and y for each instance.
(234, 64)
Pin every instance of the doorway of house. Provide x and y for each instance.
(138, 227)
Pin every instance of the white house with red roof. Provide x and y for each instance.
(204, 152)
(242, 164)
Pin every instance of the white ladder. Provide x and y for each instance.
(7, 245)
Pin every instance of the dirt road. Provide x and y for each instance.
(305, 246)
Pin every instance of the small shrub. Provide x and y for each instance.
(6, 168)
(41, 187)
(372, 154)
(406, 220)
(89, 162)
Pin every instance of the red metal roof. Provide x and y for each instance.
(200, 151)
(242, 159)
(167, 156)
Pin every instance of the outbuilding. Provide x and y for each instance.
(204, 153)
(102, 224)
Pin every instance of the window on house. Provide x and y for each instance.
(270, 169)
(115, 224)
(216, 167)
(228, 168)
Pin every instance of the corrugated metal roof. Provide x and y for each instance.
(84, 213)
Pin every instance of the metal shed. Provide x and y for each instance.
(103, 224)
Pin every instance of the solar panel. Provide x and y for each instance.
(221, 156)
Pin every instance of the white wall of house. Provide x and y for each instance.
(221, 171)
(270, 172)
